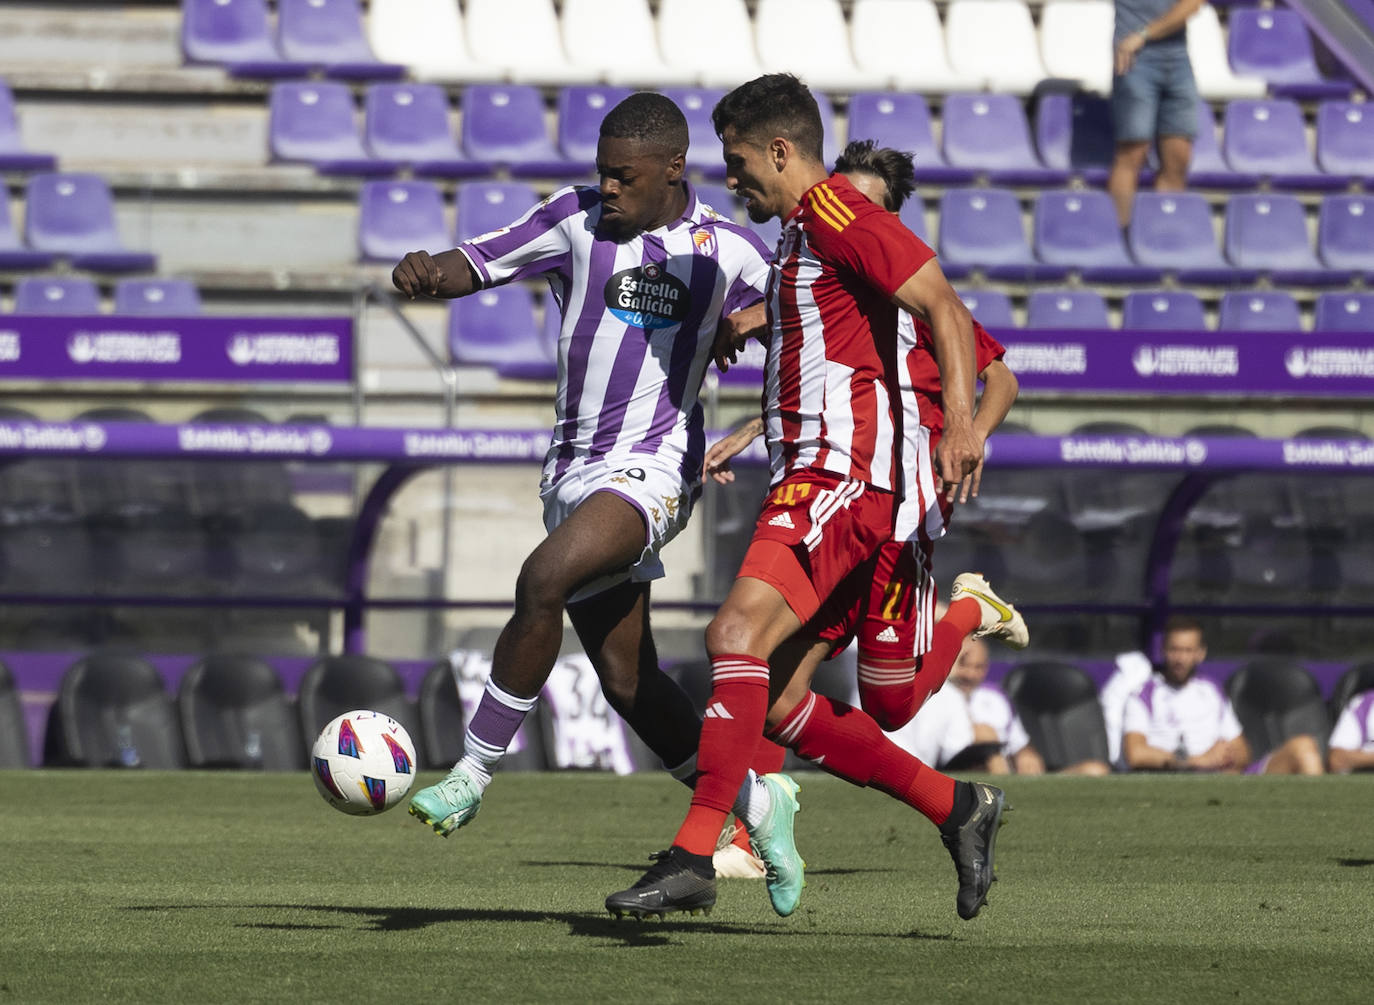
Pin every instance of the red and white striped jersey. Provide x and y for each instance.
(831, 373)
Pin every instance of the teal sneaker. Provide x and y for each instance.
(449, 804)
(773, 841)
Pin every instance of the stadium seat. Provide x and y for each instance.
(523, 38)
(1345, 233)
(1344, 312)
(1162, 310)
(1076, 42)
(1345, 139)
(396, 217)
(231, 416)
(1211, 67)
(234, 714)
(634, 59)
(504, 124)
(449, 694)
(56, 295)
(992, 308)
(581, 108)
(1276, 700)
(1074, 132)
(1356, 680)
(312, 122)
(988, 133)
(73, 216)
(13, 254)
(980, 229)
(1274, 44)
(235, 34)
(113, 712)
(14, 735)
(994, 41)
(1079, 229)
(1173, 231)
(902, 121)
(703, 150)
(13, 156)
(487, 206)
(901, 44)
(913, 214)
(334, 685)
(329, 34)
(439, 52)
(1268, 232)
(409, 124)
(268, 549)
(1058, 704)
(497, 328)
(712, 40)
(830, 143)
(808, 38)
(156, 297)
(1049, 310)
(722, 200)
(1269, 139)
(580, 730)
(1208, 168)
(1259, 311)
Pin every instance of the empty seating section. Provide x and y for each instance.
(329, 34)
(409, 124)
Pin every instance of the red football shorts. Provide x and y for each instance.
(815, 530)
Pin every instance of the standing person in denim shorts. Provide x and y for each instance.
(1153, 96)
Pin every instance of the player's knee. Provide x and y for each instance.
(1306, 754)
(539, 589)
(729, 632)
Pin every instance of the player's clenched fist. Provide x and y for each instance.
(422, 274)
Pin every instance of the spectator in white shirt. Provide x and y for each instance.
(1352, 741)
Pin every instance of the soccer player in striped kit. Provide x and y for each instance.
(843, 268)
(643, 273)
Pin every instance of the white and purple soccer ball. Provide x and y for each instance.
(363, 763)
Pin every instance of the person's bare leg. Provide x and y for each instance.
(1124, 177)
(1175, 154)
(1300, 755)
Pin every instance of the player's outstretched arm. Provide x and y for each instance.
(445, 275)
(1000, 388)
(718, 457)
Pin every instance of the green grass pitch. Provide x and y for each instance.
(191, 887)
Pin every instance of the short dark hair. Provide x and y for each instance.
(894, 168)
(649, 118)
(1183, 623)
(776, 104)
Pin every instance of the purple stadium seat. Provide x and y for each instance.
(988, 133)
(396, 217)
(902, 121)
(1345, 139)
(1079, 229)
(913, 214)
(13, 254)
(1162, 310)
(830, 144)
(236, 35)
(504, 124)
(409, 123)
(157, 297)
(703, 150)
(1259, 311)
(1345, 232)
(13, 156)
(1173, 231)
(312, 122)
(72, 215)
(992, 308)
(1274, 44)
(487, 206)
(581, 108)
(1066, 309)
(1074, 133)
(329, 33)
(1269, 139)
(1345, 312)
(1208, 168)
(497, 328)
(722, 200)
(56, 295)
(980, 228)
(1268, 231)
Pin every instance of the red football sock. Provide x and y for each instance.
(730, 736)
(768, 757)
(848, 743)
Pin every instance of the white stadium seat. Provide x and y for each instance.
(809, 38)
(1076, 41)
(994, 40)
(1211, 65)
(713, 39)
(523, 37)
(428, 37)
(901, 43)
(617, 39)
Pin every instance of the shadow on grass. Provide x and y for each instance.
(1355, 863)
(551, 864)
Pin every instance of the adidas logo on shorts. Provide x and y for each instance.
(888, 634)
(782, 520)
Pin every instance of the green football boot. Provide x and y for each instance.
(449, 804)
(773, 841)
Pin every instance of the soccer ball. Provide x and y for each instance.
(363, 763)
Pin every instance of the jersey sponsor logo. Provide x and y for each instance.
(647, 297)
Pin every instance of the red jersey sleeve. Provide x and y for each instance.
(862, 237)
(987, 348)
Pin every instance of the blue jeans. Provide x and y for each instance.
(1156, 96)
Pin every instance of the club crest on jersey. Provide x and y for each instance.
(647, 297)
(705, 241)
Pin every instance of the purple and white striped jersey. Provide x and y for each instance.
(1355, 727)
(639, 319)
